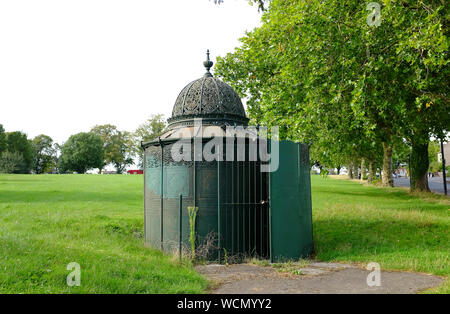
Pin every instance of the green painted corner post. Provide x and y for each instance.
(145, 212)
(180, 235)
(162, 196)
(290, 214)
(269, 146)
(219, 231)
(269, 204)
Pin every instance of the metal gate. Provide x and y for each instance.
(243, 203)
(266, 214)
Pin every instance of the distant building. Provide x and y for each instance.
(135, 172)
(401, 172)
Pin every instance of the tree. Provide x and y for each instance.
(10, 162)
(260, 3)
(116, 146)
(149, 130)
(318, 69)
(17, 142)
(434, 149)
(2, 139)
(43, 153)
(81, 152)
(122, 156)
(57, 149)
(401, 153)
(424, 54)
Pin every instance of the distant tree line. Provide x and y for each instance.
(103, 145)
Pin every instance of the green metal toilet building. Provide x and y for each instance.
(242, 211)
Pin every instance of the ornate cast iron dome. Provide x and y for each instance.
(210, 99)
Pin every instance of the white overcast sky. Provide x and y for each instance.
(68, 65)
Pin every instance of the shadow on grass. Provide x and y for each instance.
(378, 193)
(356, 238)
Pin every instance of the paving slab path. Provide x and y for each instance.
(315, 277)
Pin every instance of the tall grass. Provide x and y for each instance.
(357, 223)
(48, 221)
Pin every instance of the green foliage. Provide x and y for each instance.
(435, 166)
(434, 148)
(17, 142)
(82, 152)
(149, 130)
(260, 3)
(192, 212)
(2, 139)
(116, 146)
(320, 72)
(226, 258)
(43, 153)
(324, 173)
(376, 181)
(401, 153)
(11, 162)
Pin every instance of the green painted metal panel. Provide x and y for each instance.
(290, 204)
(153, 180)
(176, 181)
(152, 202)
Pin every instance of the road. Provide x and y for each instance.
(435, 184)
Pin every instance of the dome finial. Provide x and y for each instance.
(208, 64)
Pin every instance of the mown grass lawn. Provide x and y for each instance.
(48, 221)
(357, 223)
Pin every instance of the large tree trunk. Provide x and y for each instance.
(419, 165)
(355, 170)
(372, 171)
(387, 178)
(350, 171)
(338, 170)
(363, 169)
